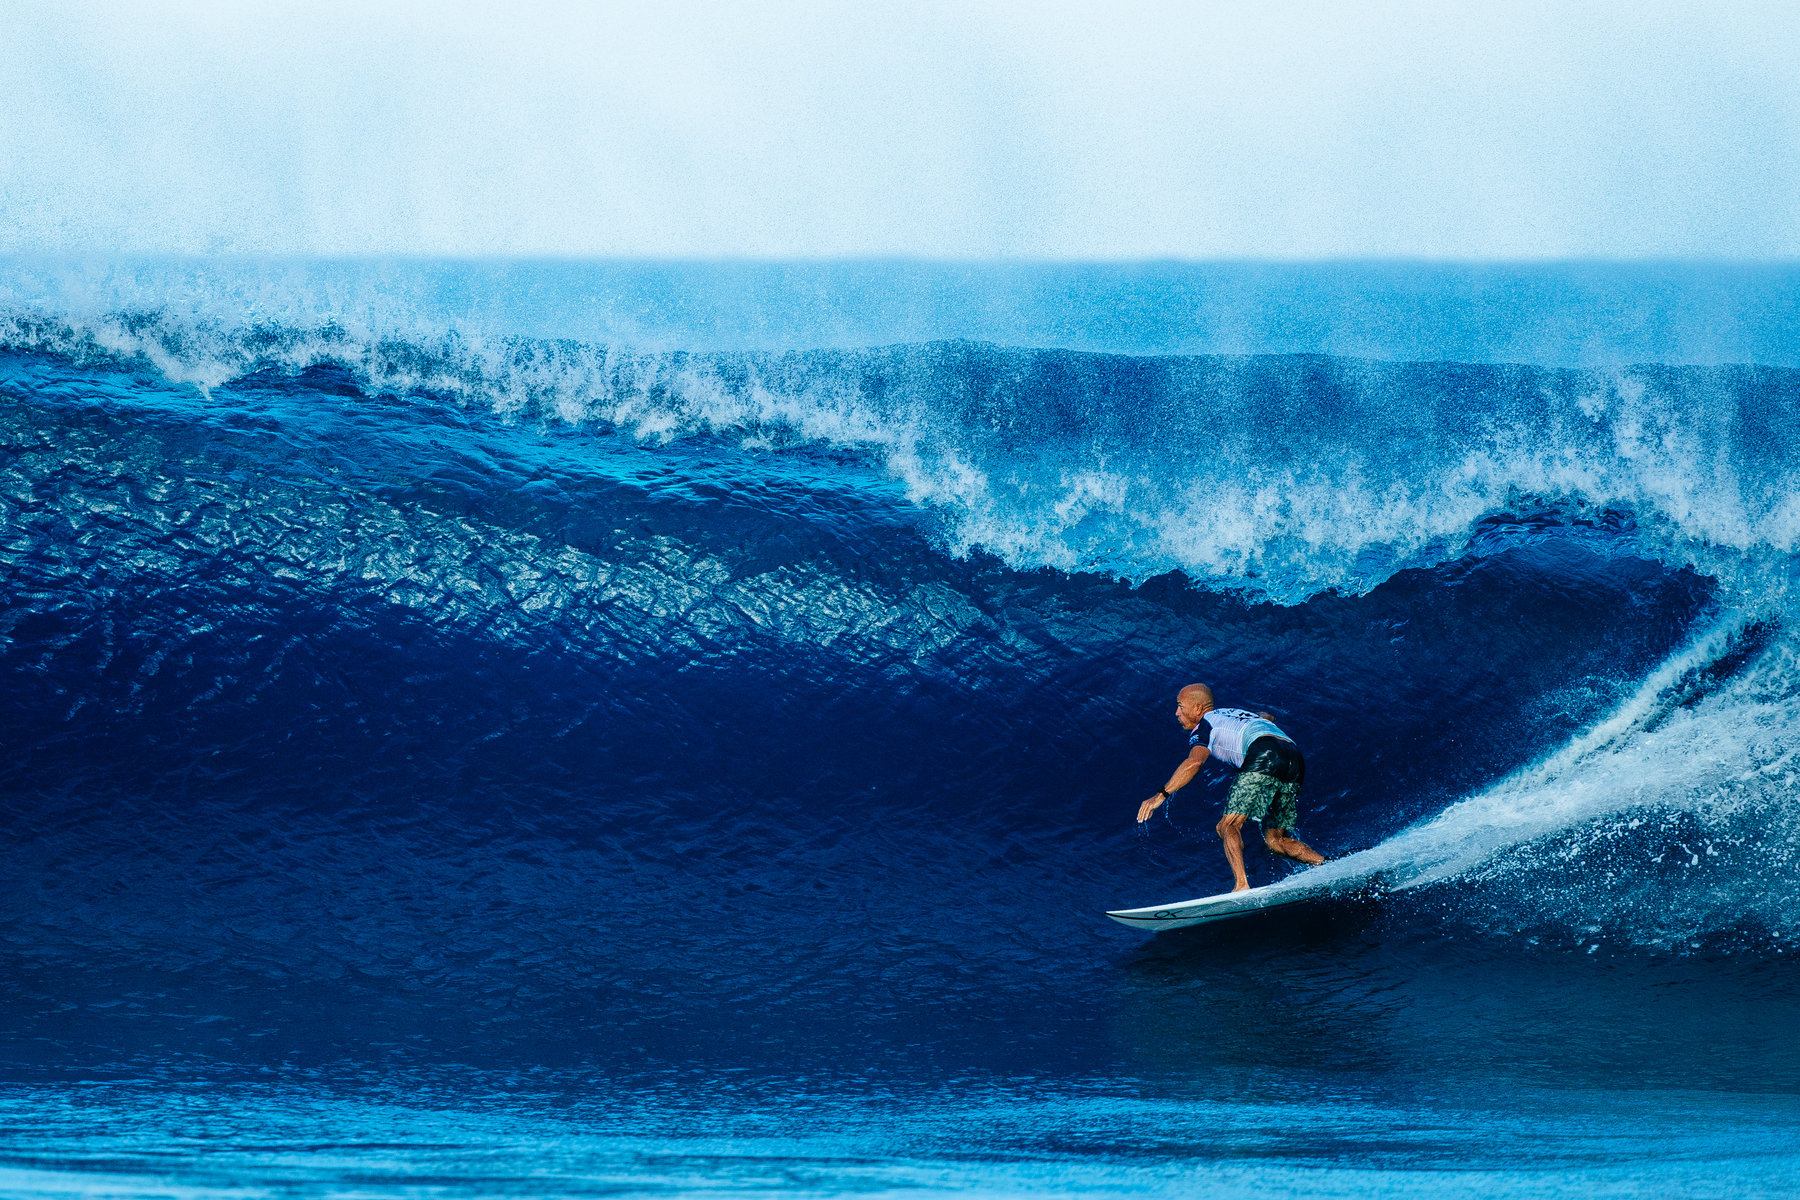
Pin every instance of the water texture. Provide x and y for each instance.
(475, 759)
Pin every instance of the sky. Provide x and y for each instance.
(967, 130)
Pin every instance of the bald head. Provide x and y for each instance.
(1191, 703)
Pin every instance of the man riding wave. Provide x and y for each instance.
(1270, 772)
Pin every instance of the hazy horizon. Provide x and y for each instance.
(1298, 132)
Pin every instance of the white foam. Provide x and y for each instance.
(1306, 505)
(1580, 838)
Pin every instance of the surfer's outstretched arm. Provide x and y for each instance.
(1184, 775)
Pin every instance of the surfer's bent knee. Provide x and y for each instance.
(1229, 823)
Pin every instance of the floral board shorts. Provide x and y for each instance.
(1266, 799)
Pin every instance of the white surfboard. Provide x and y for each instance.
(1340, 878)
(1211, 908)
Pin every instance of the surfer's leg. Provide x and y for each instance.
(1248, 801)
(1231, 832)
(1290, 847)
(1284, 810)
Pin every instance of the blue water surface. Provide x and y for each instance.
(443, 760)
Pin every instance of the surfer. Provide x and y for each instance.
(1270, 772)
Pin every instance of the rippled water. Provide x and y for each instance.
(458, 766)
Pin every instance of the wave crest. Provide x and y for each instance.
(1283, 475)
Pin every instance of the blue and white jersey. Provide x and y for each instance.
(1228, 732)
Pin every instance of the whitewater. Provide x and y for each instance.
(457, 708)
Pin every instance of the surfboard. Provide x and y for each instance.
(1213, 908)
(1342, 880)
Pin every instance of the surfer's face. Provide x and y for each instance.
(1187, 712)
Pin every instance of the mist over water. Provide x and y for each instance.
(212, 312)
(457, 722)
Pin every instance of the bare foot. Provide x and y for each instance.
(1242, 887)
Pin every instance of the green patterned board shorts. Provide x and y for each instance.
(1265, 799)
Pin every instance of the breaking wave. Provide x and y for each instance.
(431, 641)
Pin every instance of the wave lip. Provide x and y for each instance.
(1283, 476)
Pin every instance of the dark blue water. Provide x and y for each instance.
(540, 767)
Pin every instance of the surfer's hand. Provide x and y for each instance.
(1148, 808)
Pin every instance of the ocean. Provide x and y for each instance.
(561, 729)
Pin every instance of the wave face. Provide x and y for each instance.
(506, 699)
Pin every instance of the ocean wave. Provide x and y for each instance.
(1669, 825)
(1281, 475)
(935, 531)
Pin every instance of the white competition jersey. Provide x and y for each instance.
(1230, 731)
